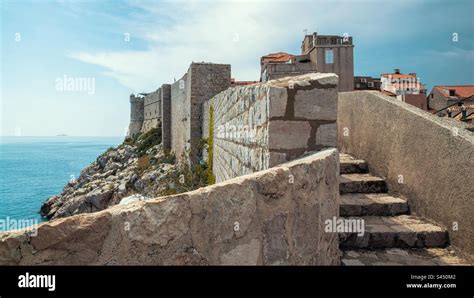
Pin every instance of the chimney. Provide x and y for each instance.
(397, 70)
(412, 74)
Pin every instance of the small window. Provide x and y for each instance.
(363, 80)
(357, 86)
(370, 84)
(328, 56)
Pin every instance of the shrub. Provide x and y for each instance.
(143, 163)
(148, 140)
(211, 179)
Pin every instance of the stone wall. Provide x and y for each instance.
(152, 110)
(262, 125)
(136, 115)
(426, 159)
(258, 219)
(200, 83)
(180, 115)
(166, 116)
(274, 71)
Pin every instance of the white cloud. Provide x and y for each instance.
(238, 33)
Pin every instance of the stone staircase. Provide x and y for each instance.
(391, 235)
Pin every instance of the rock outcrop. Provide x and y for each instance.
(115, 175)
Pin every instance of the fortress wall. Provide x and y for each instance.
(200, 83)
(166, 116)
(180, 115)
(152, 110)
(257, 219)
(136, 115)
(262, 125)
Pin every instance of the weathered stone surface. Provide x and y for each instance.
(434, 172)
(255, 126)
(316, 104)
(365, 183)
(242, 221)
(350, 165)
(326, 135)
(278, 98)
(412, 257)
(398, 231)
(288, 134)
(361, 204)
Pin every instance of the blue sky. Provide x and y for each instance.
(87, 39)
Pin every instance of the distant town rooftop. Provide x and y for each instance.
(463, 92)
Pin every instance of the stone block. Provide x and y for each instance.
(288, 134)
(326, 135)
(316, 104)
(277, 98)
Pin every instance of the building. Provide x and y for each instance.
(319, 53)
(332, 54)
(397, 83)
(453, 101)
(366, 83)
(279, 65)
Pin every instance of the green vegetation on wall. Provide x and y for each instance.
(211, 179)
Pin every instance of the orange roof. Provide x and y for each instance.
(460, 91)
(277, 58)
(398, 76)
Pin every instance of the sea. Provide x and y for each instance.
(32, 169)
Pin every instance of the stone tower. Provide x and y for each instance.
(332, 54)
(136, 115)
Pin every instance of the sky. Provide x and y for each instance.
(69, 67)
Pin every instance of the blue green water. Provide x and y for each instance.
(35, 168)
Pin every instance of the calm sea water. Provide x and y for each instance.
(35, 168)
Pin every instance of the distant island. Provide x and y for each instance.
(62, 135)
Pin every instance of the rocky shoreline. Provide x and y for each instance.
(138, 169)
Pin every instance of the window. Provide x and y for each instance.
(370, 84)
(357, 86)
(328, 56)
(363, 80)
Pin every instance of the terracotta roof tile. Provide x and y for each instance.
(277, 58)
(460, 91)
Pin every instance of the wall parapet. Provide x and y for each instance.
(262, 125)
(427, 159)
(258, 219)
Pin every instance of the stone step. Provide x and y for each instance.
(401, 231)
(399, 257)
(374, 204)
(361, 183)
(351, 165)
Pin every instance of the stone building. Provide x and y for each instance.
(398, 83)
(366, 83)
(454, 97)
(279, 65)
(331, 54)
(319, 53)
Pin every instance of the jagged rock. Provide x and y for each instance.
(107, 181)
(132, 198)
